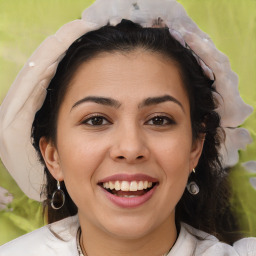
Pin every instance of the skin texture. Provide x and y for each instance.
(129, 140)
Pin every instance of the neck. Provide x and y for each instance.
(155, 243)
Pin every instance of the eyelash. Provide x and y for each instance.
(167, 120)
(102, 118)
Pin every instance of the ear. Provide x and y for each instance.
(196, 151)
(51, 158)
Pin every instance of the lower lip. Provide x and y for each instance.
(130, 202)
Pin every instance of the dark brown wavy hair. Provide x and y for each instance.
(210, 209)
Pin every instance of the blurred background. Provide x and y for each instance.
(231, 25)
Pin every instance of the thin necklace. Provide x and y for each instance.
(80, 245)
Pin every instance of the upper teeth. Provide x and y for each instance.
(127, 185)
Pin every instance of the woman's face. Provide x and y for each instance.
(124, 142)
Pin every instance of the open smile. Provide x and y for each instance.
(129, 193)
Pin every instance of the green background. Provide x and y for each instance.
(231, 25)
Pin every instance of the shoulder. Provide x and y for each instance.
(196, 242)
(246, 246)
(58, 238)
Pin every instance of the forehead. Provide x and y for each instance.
(129, 75)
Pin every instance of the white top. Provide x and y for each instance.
(59, 238)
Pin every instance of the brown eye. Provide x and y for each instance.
(96, 121)
(160, 121)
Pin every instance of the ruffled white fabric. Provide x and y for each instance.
(29, 89)
(251, 168)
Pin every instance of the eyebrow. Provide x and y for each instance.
(99, 100)
(161, 99)
(116, 104)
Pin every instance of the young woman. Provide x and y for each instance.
(128, 110)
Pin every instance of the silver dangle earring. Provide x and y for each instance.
(192, 187)
(58, 198)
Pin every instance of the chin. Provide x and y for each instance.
(133, 227)
(130, 232)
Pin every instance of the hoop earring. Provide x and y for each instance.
(58, 198)
(192, 188)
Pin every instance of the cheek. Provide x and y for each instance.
(79, 157)
(175, 167)
(174, 152)
(173, 156)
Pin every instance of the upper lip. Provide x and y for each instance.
(128, 177)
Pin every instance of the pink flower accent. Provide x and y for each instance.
(5, 198)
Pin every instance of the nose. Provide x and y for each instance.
(129, 145)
